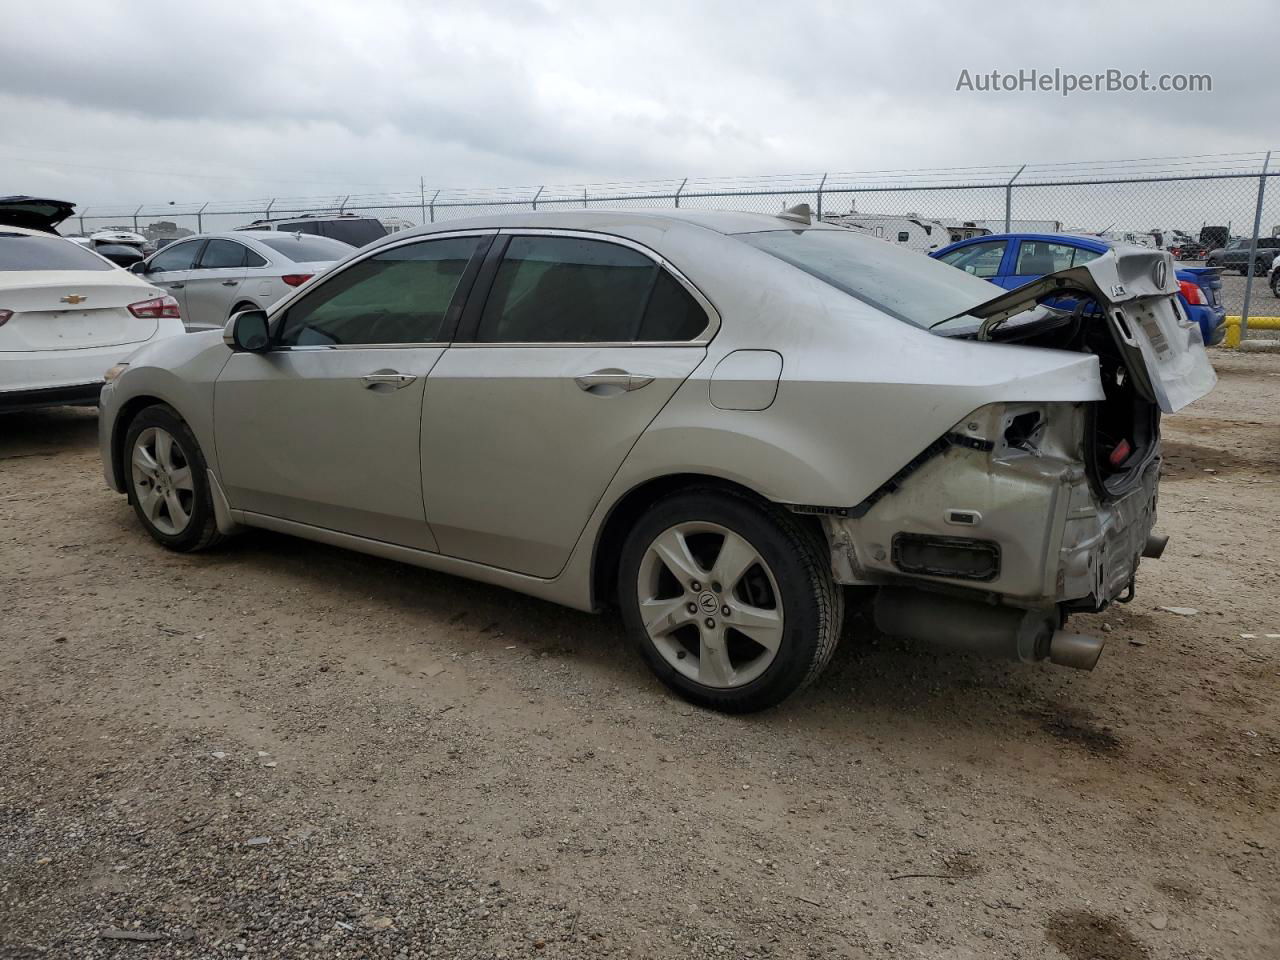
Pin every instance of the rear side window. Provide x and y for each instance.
(574, 290)
(20, 251)
(222, 254)
(252, 259)
(176, 256)
(307, 249)
(1039, 257)
(398, 296)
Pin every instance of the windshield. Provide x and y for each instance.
(906, 285)
(306, 248)
(22, 251)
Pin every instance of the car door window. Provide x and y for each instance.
(574, 290)
(176, 256)
(979, 259)
(222, 255)
(399, 296)
(1038, 257)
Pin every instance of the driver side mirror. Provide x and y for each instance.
(247, 332)
(139, 267)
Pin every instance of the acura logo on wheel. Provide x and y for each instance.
(708, 602)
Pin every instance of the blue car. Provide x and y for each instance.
(1011, 259)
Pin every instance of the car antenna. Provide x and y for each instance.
(800, 213)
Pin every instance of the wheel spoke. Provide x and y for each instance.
(663, 616)
(164, 450)
(150, 501)
(736, 557)
(177, 515)
(181, 479)
(761, 625)
(672, 549)
(144, 461)
(714, 668)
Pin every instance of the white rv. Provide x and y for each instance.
(911, 231)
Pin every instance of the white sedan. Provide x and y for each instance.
(66, 316)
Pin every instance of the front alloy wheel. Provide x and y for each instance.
(162, 481)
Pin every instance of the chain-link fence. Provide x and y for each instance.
(1190, 205)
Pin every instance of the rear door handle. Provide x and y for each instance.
(394, 380)
(230, 283)
(173, 286)
(612, 378)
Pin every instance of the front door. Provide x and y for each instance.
(324, 428)
(212, 287)
(578, 346)
(170, 268)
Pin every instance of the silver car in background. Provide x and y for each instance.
(716, 421)
(215, 275)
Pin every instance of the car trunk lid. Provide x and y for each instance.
(73, 310)
(34, 213)
(1136, 289)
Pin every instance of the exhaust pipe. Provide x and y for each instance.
(1154, 546)
(985, 629)
(1075, 650)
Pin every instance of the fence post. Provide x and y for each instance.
(433, 206)
(821, 184)
(270, 203)
(536, 196)
(343, 205)
(1253, 248)
(680, 190)
(200, 219)
(135, 218)
(82, 213)
(584, 198)
(1008, 198)
(422, 197)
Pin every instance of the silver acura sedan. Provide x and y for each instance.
(714, 420)
(214, 275)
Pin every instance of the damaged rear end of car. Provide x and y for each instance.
(1026, 512)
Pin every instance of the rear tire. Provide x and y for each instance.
(1275, 284)
(168, 481)
(730, 600)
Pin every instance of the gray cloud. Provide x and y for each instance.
(106, 101)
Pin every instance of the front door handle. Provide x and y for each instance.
(612, 378)
(393, 380)
(173, 286)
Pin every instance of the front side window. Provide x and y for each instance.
(222, 254)
(399, 296)
(576, 290)
(980, 259)
(176, 256)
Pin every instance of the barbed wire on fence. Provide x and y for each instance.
(1176, 196)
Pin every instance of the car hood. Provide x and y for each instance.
(34, 213)
(1137, 289)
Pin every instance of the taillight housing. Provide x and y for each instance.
(297, 279)
(1192, 293)
(4, 316)
(155, 308)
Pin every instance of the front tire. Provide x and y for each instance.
(730, 600)
(168, 481)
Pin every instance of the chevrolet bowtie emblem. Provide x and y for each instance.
(74, 298)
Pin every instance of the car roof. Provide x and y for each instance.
(605, 220)
(1088, 241)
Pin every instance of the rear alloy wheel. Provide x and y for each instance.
(167, 479)
(730, 601)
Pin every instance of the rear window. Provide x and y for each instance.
(906, 285)
(355, 232)
(20, 251)
(307, 249)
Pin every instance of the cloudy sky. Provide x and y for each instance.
(134, 101)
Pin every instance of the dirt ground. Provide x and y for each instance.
(284, 750)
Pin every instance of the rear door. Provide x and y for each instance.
(324, 428)
(170, 268)
(579, 344)
(213, 285)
